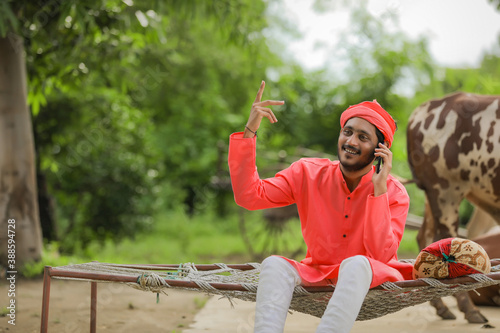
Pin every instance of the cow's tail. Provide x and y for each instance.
(405, 181)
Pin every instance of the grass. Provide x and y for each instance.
(409, 246)
(200, 302)
(178, 238)
(4, 311)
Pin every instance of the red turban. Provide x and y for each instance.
(373, 113)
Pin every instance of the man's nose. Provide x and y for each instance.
(352, 141)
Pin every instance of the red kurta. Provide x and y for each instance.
(336, 223)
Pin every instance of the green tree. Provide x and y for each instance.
(379, 63)
(95, 71)
(447, 80)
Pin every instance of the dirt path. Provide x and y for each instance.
(218, 317)
(119, 308)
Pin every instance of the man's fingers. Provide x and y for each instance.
(268, 113)
(259, 109)
(268, 102)
(260, 92)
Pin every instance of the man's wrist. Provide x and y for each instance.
(379, 190)
(249, 133)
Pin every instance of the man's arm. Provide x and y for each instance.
(249, 190)
(385, 222)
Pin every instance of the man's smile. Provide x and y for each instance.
(351, 150)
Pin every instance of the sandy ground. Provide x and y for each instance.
(125, 310)
(218, 316)
(120, 308)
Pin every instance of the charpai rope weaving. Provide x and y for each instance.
(240, 282)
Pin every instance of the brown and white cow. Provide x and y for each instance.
(454, 153)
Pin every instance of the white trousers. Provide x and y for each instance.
(278, 279)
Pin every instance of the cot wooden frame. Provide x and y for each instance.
(50, 273)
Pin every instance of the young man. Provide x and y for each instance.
(352, 216)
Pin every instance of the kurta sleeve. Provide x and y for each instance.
(385, 223)
(250, 191)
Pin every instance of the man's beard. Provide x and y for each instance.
(361, 164)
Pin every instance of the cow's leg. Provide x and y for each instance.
(441, 211)
(444, 208)
(425, 237)
(491, 212)
(442, 310)
(480, 223)
(426, 232)
(496, 298)
(444, 203)
(471, 312)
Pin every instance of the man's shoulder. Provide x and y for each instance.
(310, 166)
(307, 170)
(317, 162)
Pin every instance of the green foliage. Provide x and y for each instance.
(133, 103)
(481, 80)
(408, 248)
(8, 20)
(97, 163)
(130, 102)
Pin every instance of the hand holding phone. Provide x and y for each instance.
(382, 169)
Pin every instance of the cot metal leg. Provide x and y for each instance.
(45, 299)
(93, 307)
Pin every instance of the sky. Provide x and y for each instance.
(459, 31)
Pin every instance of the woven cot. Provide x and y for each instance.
(240, 282)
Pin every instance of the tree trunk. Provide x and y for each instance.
(18, 194)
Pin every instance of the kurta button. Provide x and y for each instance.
(348, 198)
(344, 235)
(346, 216)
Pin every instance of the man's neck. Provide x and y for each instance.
(352, 178)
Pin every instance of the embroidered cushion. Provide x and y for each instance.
(450, 258)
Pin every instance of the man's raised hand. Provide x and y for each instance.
(260, 110)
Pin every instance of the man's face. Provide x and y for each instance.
(356, 145)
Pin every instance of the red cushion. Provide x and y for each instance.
(450, 258)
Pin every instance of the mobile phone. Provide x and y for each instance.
(379, 164)
(379, 160)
